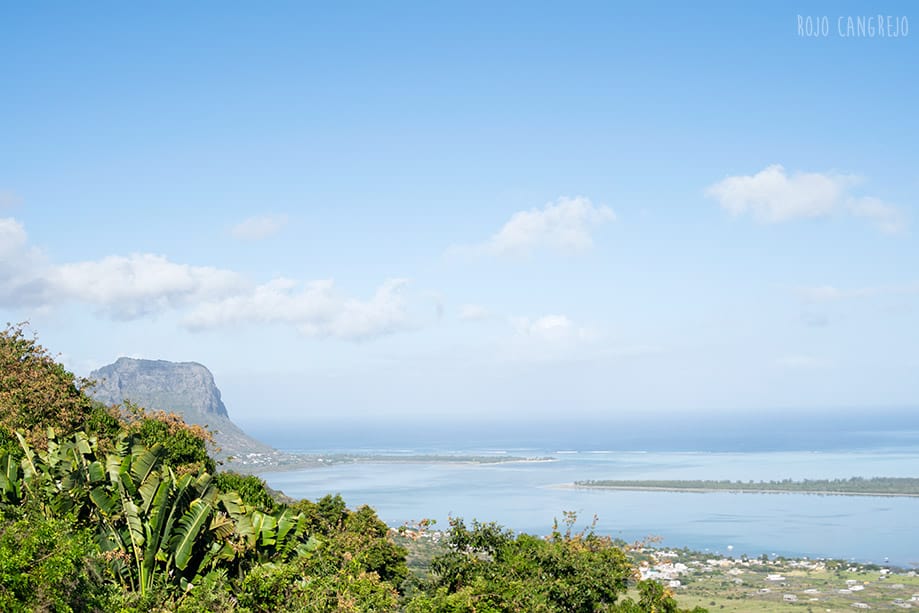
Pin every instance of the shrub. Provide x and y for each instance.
(48, 565)
(250, 488)
(36, 392)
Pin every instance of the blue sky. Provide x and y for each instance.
(516, 210)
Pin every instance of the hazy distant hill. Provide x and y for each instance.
(186, 388)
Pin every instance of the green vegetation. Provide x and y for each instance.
(250, 488)
(487, 569)
(856, 486)
(46, 564)
(36, 392)
(119, 509)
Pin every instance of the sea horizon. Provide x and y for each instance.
(767, 430)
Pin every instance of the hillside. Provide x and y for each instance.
(185, 388)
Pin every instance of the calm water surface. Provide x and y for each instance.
(525, 497)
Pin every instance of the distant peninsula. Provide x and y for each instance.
(188, 389)
(855, 486)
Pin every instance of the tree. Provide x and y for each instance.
(48, 565)
(252, 490)
(36, 392)
(488, 568)
(184, 445)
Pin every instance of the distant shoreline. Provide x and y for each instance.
(730, 490)
(294, 461)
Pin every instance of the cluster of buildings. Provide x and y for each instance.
(663, 566)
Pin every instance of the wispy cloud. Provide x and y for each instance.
(831, 293)
(556, 338)
(258, 228)
(553, 328)
(565, 225)
(774, 196)
(558, 329)
(886, 217)
(819, 301)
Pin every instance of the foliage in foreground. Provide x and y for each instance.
(47, 565)
(36, 391)
(487, 569)
(125, 513)
(161, 537)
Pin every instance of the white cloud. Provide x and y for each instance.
(123, 287)
(258, 228)
(140, 284)
(13, 238)
(773, 196)
(564, 225)
(21, 267)
(315, 309)
(384, 313)
(556, 338)
(473, 312)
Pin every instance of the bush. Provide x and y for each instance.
(48, 565)
(35, 391)
(185, 445)
(490, 569)
(250, 488)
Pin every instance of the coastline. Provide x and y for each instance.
(713, 490)
(306, 462)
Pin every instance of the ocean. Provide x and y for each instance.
(527, 497)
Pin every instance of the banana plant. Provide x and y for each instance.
(10, 479)
(59, 477)
(266, 536)
(153, 526)
(159, 522)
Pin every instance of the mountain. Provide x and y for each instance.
(185, 388)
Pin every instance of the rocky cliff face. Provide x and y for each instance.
(183, 387)
(186, 388)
